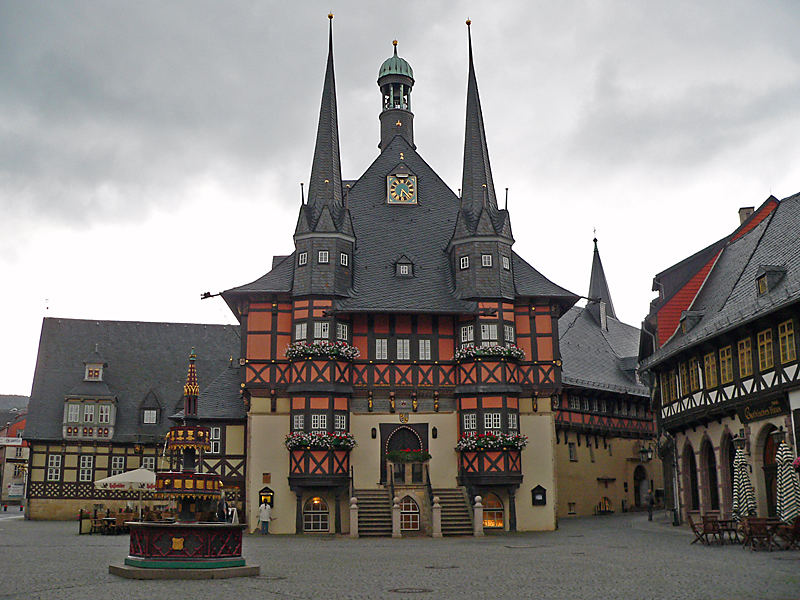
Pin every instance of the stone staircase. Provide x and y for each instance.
(374, 512)
(456, 511)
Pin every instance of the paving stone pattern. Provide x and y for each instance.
(619, 556)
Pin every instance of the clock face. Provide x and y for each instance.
(401, 189)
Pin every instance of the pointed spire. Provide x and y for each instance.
(598, 286)
(325, 187)
(191, 390)
(477, 173)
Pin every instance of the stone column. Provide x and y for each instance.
(478, 517)
(337, 514)
(353, 517)
(512, 509)
(298, 521)
(396, 517)
(437, 517)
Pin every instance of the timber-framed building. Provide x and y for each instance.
(720, 349)
(456, 334)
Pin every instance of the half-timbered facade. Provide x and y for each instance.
(720, 348)
(102, 399)
(602, 416)
(403, 320)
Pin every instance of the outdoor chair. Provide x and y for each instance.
(790, 534)
(697, 530)
(711, 528)
(98, 526)
(760, 534)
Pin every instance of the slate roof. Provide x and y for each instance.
(141, 357)
(730, 297)
(221, 400)
(596, 358)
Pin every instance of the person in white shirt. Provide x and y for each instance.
(265, 516)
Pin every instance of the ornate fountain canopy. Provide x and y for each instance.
(188, 485)
(189, 436)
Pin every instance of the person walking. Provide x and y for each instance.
(265, 516)
(650, 503)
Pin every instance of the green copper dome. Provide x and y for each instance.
(394, 65)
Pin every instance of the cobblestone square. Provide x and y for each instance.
(619, 556)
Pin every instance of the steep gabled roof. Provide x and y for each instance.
(142, 358)
(597, 358)
(729, 297)
(530, 283)
(598, 285)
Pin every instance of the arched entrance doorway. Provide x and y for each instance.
(399, 438)
(692, 492)
(315, 515)
(771, 472)
(709, 461)
(640, 486)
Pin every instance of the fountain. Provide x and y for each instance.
(194, 545)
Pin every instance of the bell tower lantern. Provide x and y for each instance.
(395, 79)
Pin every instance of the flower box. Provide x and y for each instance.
(491, 441)
(508, 352)
(408, 456)
(332, 350)
(320, 440)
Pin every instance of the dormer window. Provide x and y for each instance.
(344, 259)
(486, 260)
(149, 416)
(464, 262)
(768, 277)
(506, 263)
(404, 270)
(73, 412)
(93, 373)
(322, 257)
(302, 259)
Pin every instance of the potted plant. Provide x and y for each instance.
(319, 440)
(322, 349)
(507, 352)
(491, 441)
(408, 455)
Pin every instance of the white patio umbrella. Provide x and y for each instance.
(744, 501)
(788, 500)
(141, 480)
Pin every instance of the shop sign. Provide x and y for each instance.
(10, 441)
(763, 409)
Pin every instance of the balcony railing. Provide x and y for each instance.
(491, 467)
(319, 468)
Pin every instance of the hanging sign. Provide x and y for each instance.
(10, 441)
(763, 409)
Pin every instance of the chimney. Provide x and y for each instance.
(745, 212)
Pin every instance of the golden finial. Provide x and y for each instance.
(330, 16)
(394, 42)
(468, 22)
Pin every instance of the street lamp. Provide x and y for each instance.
(646, 453)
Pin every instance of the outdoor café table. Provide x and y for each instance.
(110, 524)
(731, 527)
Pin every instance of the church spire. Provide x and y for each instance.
(325, 187)
(476, 184)
(598, 286)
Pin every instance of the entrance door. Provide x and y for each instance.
(400, 438)
(771, 475)
(640, 488)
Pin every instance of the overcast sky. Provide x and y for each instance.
(151, 151)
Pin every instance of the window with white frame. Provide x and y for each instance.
(467, 334)
(594, 404)
(322, 257)
(341, 332)
(73, 412)
(319, 422)
(149, 462)
(506, 263)
(117, 465)
(88, 413)
(508, 332)
(86, 468)
(104, 413)
(486, 260)
(491, 421)
(464, 262)
(344, 259)
(302, 258)
(470, 421)
(424, 349)
(603, 406)
(321, 330)
(149, 416)
(574, 402)
(54, 467)
(404, 269)
(381, 349)
(488, 334)
(340, 422)
(300, 332)
(216, 440)
(403, 349)
(585, 404)
(512, 421)
(298, 422)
